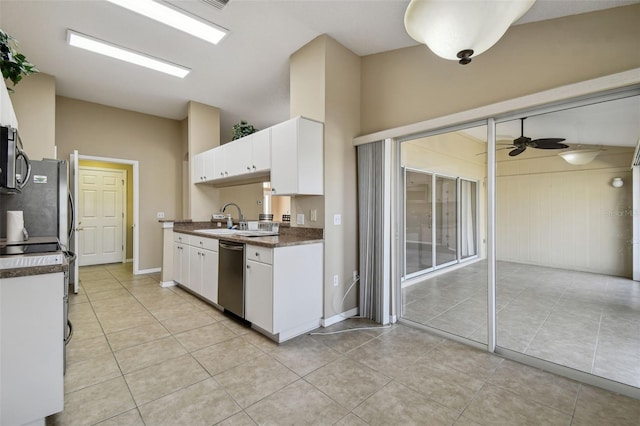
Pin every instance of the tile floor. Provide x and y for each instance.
(586, 321)
(145, 355)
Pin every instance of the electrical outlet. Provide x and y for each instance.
(160, 215)
(335, 281)
(337, 219)
(300, 218)
(313, 215)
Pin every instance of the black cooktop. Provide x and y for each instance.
(29, 248)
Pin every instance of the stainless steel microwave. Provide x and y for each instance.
(15, 168)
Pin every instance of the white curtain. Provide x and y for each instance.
(371, 224)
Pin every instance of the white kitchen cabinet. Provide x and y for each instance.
(248, 155)
(203, 267)
(203, 167)
(181, 259)
(297, 165)
(31, 348)
(283, 289)
(260, 151)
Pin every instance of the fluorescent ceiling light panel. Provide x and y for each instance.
(174, 18)
(102, 47)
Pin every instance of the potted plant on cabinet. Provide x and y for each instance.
(241, 130)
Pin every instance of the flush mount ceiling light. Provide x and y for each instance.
(177, 19)
(104, 48)
(458, 29)
(579, 157)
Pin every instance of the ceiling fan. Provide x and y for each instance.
(522, 143)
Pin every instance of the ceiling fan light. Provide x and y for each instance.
(579, 157)
(450, 27)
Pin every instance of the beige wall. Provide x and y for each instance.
(203, 129)
(554, 214)
(245, 196)
(34, 102)
(154, 142)
(128, 169)
(325, 86)
(411, 85)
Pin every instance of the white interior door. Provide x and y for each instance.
(101, 216)
(73, 187)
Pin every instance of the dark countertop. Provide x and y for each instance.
(34, 270)
(289, 236)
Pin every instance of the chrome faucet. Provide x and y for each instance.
(240, 217)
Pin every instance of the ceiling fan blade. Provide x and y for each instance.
(549, 143)
(517, 151)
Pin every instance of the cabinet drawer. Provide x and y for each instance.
(180, 238)
(204, 243)
(259, 254)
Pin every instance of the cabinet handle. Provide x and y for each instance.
(273, 190)
(248, 266)
(226, 173)
(221, 173)
(254, 167)
(248, 168)
(257, 254)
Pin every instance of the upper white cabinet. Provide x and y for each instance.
(292, 151)
(203, 167)
(297, 164)
(7, 114)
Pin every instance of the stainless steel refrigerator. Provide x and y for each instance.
(45, 202)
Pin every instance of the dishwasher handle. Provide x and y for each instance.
(231, 246)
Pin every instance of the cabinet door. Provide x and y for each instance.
(210, 275)
(261, 151)
(195, 270)
(284, 158)
(198, 168)
(181, 263)
(208, 167)
(219, 157)
(238, 157)
(259, 295)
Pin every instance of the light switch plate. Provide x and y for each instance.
(300, 218)
(337, 219)
(314, 215)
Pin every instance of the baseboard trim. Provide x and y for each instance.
(168, 283)
(128, 260)
(326, 322)
(148, 271)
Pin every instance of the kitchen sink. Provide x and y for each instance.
(238, 232)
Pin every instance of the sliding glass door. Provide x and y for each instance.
(418, 222)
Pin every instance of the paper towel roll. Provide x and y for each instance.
(15, 225)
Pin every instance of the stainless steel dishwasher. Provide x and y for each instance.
(231, 277)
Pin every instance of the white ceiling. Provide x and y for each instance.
(246, 75)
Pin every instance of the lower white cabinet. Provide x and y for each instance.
(181, 259)
(195, 265)
(31, 348)
(283, 289)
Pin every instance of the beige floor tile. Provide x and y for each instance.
(240, 419)
(497, 406)
(304, 354)
(164, 378)
(102, 286)
(347, 381)
(346, 341)
(85, 328)
(188, 321)
(147, 354)
(172, 311)
(297, 404)
(538, 385)
(105, 303)
(130, 418)
(396, 404)
(82, 310)
(80, 350)
(255, 380)
(202, 404)
(260, 341)
(351, 420)
(119, 292)
(205, 336)
(88, 277)
(93, 404)
(449, 387)
(136, 336)
(113, 322)
(235, 326)
(161, 298)
(90, 372)
(226, 355)
(598, 406)
(474, 362)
